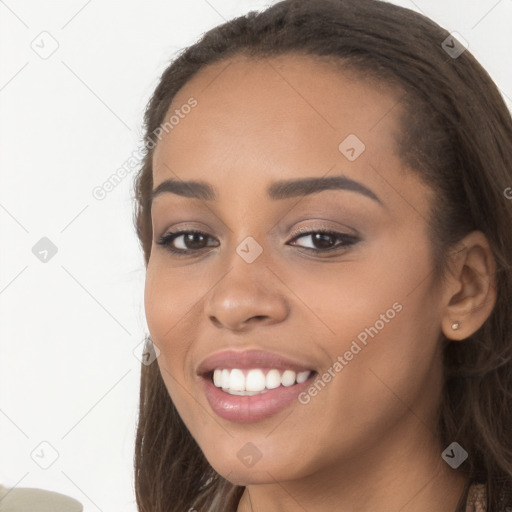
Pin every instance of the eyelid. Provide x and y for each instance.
(306, 230)
(324, 228)
(322, 225)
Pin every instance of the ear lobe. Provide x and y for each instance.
(470, 292)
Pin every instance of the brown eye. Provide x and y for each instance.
(325, 241)
(184, 242)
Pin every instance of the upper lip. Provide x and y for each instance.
(229, 359)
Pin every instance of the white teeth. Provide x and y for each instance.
(273, 379)
(225, 379)
(245, 393)
(255, 382)
(288, 378)
(237, 380)
(302, 376)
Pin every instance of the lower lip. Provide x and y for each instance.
(246, 409)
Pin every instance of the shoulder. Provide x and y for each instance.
(24, 498)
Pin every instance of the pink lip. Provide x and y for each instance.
(230, 359)
(246, 409)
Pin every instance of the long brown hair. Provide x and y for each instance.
(456, 135)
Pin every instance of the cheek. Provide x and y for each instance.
(391, 273)
(380, 316)
(169, 300)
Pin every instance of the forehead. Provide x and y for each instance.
(285, 115)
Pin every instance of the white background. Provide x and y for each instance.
(68, 373)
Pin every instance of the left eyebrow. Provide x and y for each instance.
(293, 188)
(278, 190)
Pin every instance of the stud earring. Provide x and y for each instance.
(455, 325)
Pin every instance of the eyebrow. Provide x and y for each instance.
(278, 190)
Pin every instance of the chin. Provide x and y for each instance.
(240, 472)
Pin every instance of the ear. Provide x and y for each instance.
(470, 289)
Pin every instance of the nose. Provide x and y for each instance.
(249, 295)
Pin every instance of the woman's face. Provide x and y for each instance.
(362, 314)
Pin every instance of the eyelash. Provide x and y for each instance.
(348, 240)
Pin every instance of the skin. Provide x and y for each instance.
(367, 440)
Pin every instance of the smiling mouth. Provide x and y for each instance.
(256, 381)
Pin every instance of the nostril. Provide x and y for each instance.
(215, 321)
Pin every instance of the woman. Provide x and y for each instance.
(325, 221)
